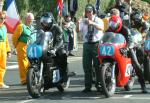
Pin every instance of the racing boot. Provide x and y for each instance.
(143, 87)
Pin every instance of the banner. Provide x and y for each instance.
(60, 6)
(12, 18)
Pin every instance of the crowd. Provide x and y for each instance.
(92, 28)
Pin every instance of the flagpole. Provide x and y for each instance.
(1, 5)
(130, 10)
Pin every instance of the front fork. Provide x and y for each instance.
(41, 71)
(113, 71)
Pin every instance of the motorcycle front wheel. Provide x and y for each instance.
(34, 86)
(108, 83)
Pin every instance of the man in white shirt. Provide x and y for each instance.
(91, 28)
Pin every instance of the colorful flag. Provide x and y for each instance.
(12, 18)
(60, 6)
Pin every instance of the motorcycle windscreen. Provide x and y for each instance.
(147, 45)
(105, 47)
(44, 38)
(111, 38)
(34, 51)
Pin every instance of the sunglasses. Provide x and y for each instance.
(2, 18)
(88, 11)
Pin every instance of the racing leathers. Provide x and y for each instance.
(58, 51)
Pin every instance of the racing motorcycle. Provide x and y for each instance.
(147, 57)
(116, 66)
(43, 72)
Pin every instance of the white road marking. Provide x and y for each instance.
(12, 62)
(86, 97)
(134, 98)
(23, 101)
(74, 59)
(127, 96)
(26, 101)
(12, 67)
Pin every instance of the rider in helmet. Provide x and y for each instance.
(48, 23)
(115, 25)
(139, 21)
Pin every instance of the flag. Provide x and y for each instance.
(60, 7)
(12, 16)
(97, 5)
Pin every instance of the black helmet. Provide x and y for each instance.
(47, 20)
(90, 7)
(136, 18)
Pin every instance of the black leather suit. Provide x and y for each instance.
(61, 58)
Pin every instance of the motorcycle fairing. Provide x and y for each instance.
(147, 45)
(34, 51)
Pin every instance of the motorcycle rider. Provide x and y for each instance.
(138, 21)
(59, 54)
(115, 25)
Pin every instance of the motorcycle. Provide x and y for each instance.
(147, 57)
(43, 72)
(116, 67)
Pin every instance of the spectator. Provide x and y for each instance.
(4, 49)
(20, 39)
(69, 28)
(92, 29)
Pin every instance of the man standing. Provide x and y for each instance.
(20, 39)
(92, 29)
(4, 49)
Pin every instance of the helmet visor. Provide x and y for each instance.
(113, 25)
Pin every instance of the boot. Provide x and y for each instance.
(144, 90)
(143, 87)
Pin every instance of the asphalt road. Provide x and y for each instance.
(19, 94)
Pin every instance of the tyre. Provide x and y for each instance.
(34, 86)
(130, 84)
(108, 83)
(60, 88)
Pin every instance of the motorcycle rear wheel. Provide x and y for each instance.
(107, 82)
(34, 87)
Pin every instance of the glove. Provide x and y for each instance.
(52, 52)
(124, 51)
(130, 45)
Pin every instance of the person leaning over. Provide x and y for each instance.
(19, 40)
(113, 11)
(4, 49)
(92, 29)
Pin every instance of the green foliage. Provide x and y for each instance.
(104, 4)
(40, 6)
(148, 1)
(36, 6)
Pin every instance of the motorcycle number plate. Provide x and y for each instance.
(34, 51)
(128, 71)
(107, 50)
(147, 45)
